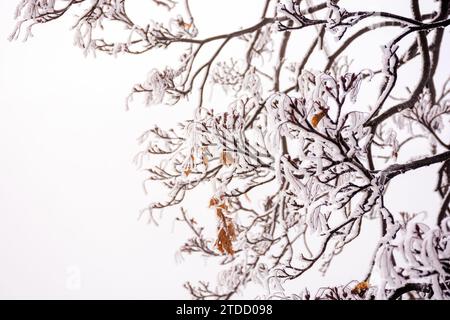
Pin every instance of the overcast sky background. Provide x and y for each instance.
(70, 194)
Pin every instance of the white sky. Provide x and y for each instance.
(69, 193)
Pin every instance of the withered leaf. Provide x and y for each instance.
(317, 117)
(205, 160)
(226, 158)
(213, 202)
(223, 206)
(231, 230)
(360, 288)
(187, 171)
(223, 242)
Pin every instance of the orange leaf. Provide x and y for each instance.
(223, 242)
(205, 160)
(226, 159)
(317, 117)
(223, 206)
(220, 214)
(231, 230)
(187, 171)
(213, 202)
(360, 288)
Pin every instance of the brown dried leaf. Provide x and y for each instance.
(227, 231)
(226, 158)
(213, 202)
(231, 230)
(223, 206)
(220, 214)
(223, 242)
(360, 288)
(317, 117)
(205, 160)
(187, 171)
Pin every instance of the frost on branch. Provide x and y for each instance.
(93, 17)
(336, 19)
(298, 159)
(158, 85)
(418, 255)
